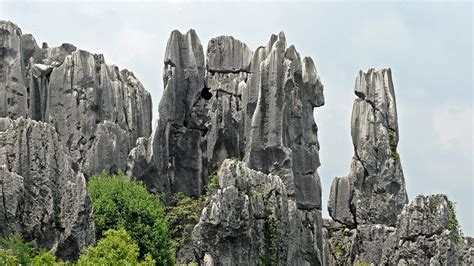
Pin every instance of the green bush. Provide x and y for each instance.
(213, 182)
(115, 248)
(17, 251)
(119, 203)
(45, 257)
(183, 214)
(16, 247)
(453, 222)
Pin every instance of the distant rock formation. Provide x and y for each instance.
(98, 111)
(42, 197)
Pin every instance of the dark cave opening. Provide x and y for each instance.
(206, 94)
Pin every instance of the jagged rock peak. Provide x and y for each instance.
(75, 91)
(374, 191)
(43, 198)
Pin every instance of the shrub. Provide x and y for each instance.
(453, 222)
(182, 214)
(119, 203)
(392, 141)
(213, 182)
(17, 251)
(45, 257)
(16, 247)
(115, 248)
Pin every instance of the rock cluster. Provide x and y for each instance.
(251, 106)
(42, 197)
(64, 115)
(247, 115)
(98, 111)
(372, 221)
(425, 234)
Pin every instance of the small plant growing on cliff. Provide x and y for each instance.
(392, 141)
(339, 249)
(270, 233)
(213, 182)
(453, 222)
(120, 203)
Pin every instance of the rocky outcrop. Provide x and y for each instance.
(374, 191)
(250, 220)
(93, 106)
(426, 233)
(41, 196)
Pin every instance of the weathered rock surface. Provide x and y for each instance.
(42, 197)
(91, 104)
(207, 114)
(377, 186)
(251, 219)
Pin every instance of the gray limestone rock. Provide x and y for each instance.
(251, 219)
(76, 92)
(43, 198)
(340, 201)
(283, 135)
(376, 177)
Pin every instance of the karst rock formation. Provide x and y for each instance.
(245, 115)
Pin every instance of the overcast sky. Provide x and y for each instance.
(427, 45)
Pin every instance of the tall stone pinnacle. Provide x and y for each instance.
(374, 191)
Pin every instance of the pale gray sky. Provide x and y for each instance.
(427, 45)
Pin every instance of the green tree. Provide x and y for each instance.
(115, 248)
(119, 203)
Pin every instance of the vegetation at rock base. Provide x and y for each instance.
(270, 233)
(182, 214)
(17, 251)
(119, 203)
(339, 249)
(115, 248)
